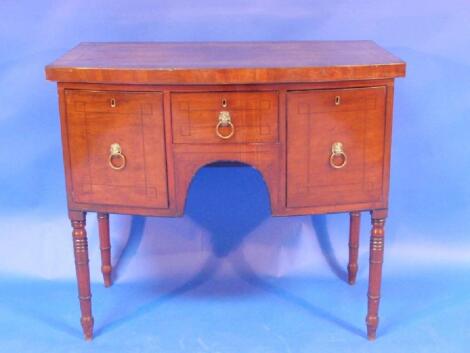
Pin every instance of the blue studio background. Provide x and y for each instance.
(228, 277)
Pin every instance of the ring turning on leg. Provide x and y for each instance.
(375, 275)
(80, 248)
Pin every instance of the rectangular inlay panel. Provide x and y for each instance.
(254, 116)
(316, 120)
(95, 121)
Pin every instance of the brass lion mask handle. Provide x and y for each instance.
(116, 159)
(224, 121)
(337, 152)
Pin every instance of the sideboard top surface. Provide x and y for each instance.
(225, 62)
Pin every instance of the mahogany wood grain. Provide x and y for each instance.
(225, 62)
(254, 116)
(315, 123)
(354, 230)
(161, 101)
(201, 87)
(171, 210)
(190, 158)
(105, 247)
(136, 124)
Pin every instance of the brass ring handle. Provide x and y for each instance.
(338, 151)
(225, 137)
(224, 121)
(115, 152)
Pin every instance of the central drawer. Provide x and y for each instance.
(225, 117)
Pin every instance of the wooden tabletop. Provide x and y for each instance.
(225, 62)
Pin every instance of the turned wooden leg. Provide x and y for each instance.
(105, 247)
(80, 248)
(375, 274)
(354, 228)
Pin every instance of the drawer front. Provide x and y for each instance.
(116, 148)
(335, 146)
(253, 117)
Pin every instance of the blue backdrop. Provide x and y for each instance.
(249, 282)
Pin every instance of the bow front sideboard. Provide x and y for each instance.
(313, 117)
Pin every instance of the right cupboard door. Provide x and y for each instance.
(335, 147)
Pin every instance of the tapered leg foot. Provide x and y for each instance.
(375, 275)
(354, 230)
(80, 248)
(105, 247)
(87, 327)
(372, 323)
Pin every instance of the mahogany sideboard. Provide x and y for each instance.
(313, 117)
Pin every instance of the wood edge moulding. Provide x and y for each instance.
(224, 76)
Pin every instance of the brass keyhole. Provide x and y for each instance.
(337, 100)
(113, 103)
(224, 103)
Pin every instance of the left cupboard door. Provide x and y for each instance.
(116, 148)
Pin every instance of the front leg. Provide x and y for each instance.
(80, 248)
(375, 272)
